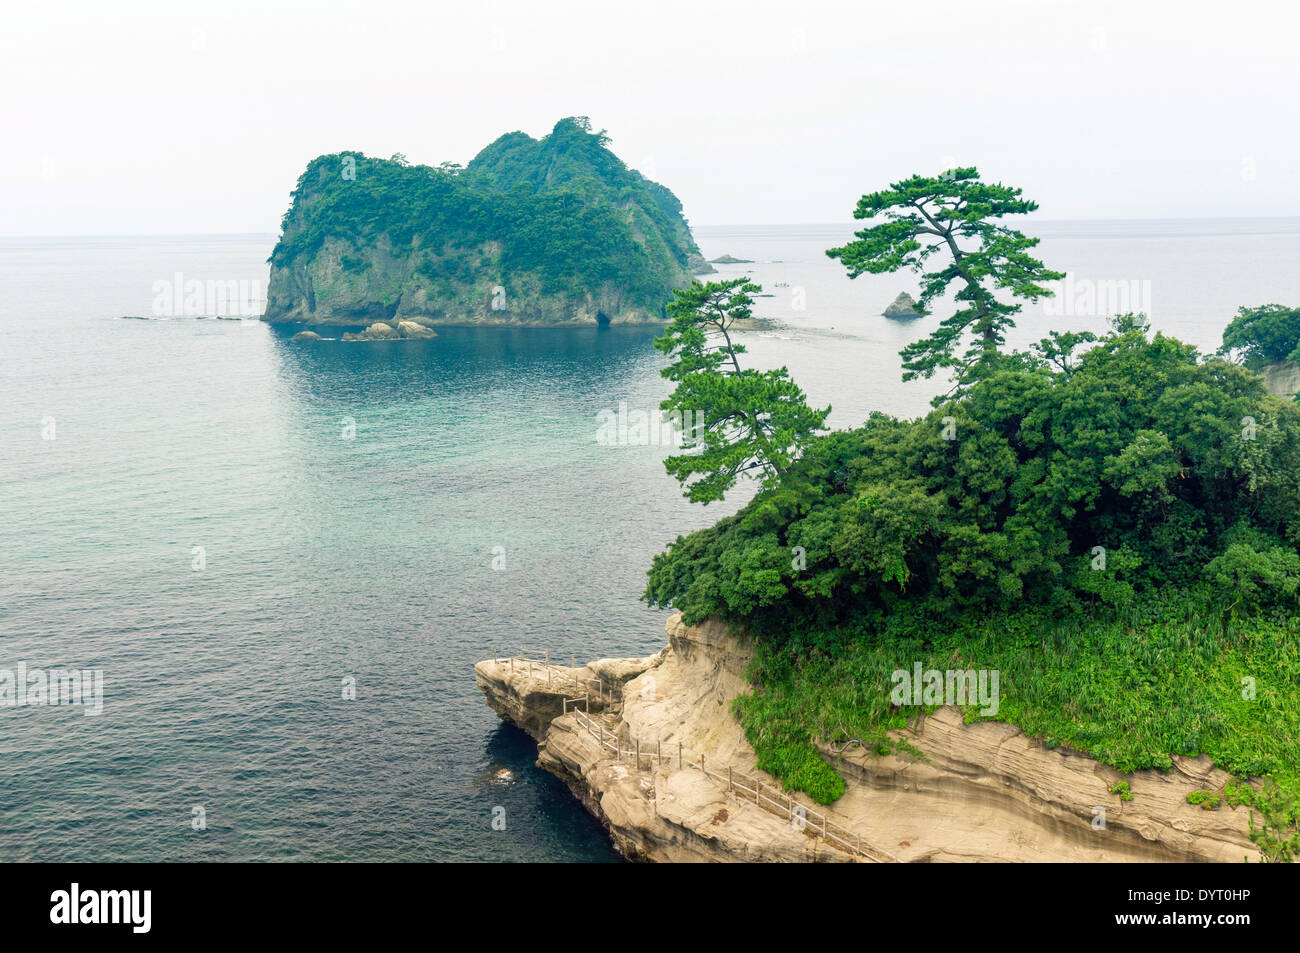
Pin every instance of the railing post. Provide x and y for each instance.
(659, 752)
(679, 756)
(728, 779)
(638, 754)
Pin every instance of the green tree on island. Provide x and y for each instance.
(957, 216)
(747, 421)
(1264, 335)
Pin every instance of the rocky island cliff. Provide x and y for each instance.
(1282, 378)
(981, 791)
(550, 232)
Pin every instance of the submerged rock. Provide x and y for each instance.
(728, 260)
(902, 307)
(306, 336)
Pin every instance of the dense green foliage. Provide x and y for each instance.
(1138, 468)
(1116, 532)
(1129, 687)
(955, 216)
(565, 210)
(1110, 526)
(740, 420)
(1263, 335)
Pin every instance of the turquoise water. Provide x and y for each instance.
(371, 558)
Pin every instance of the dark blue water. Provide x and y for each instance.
(371, 558)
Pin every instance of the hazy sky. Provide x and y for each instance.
(136, 117)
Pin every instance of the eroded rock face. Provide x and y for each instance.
(391, 288)
(1282, 379)
(666, 811)
(984, 791)
(530, 698)
(989, 792)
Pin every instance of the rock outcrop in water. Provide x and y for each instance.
(984, 791)
(384, 331)
(549, 232)
(902, 307)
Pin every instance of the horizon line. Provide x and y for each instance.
(848, 222)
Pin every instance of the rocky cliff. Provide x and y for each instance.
(983, 791)
(1282, 378)
(549, 232)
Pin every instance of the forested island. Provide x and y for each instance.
(556, 231)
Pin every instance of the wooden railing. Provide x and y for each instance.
(555, 675)
(802, 817)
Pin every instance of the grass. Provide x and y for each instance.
(1129, 690)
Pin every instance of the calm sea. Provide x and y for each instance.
(235, 527)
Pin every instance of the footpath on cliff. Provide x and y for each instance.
(650, 747)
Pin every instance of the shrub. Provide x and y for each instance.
(1277, 835)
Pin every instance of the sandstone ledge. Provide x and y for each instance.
(985, 791)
